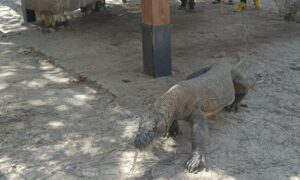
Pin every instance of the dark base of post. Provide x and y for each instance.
(28, 15)
(157, 50)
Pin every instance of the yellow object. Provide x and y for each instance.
(241, 6)
(257, 4)
(223, 7)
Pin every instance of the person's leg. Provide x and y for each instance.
(216, 1)
(230, 2)
(191, 4)
(257, 4)
(183, 4)
(242, 5)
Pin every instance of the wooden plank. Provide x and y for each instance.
(155, 12)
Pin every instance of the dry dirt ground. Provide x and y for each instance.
(69, 99)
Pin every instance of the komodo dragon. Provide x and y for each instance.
(204, 93)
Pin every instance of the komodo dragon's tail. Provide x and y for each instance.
(198, 73)
(205, 69)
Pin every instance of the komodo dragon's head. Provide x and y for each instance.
(150, 127)
(143, 139)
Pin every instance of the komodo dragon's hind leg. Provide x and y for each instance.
(199, 137)
(241, 88)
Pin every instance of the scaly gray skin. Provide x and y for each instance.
(206, 92)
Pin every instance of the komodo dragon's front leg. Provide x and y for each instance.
(199, 137)
(241, 87)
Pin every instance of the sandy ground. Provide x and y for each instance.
(69, 99)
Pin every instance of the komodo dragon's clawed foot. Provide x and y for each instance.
(196, 163)
(174, 130)
(234, 107)
(244, 105)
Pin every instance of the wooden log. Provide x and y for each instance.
(155, 12)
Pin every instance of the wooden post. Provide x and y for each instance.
(156, 35)
(28, 15)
